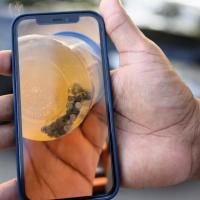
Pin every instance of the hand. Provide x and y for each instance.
(157, 117)
(57, 156)
(68, 160)
(8, 190)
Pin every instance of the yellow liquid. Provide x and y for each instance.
(45, 83)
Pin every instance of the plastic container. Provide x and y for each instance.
(60, 87)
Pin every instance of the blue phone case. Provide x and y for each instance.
(108, 96)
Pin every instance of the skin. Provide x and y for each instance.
(54, 168)
(157, 117)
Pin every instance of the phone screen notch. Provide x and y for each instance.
(56, 19)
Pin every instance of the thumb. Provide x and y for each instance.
(124, 33)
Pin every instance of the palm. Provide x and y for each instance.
(62, 169)
(151, 118)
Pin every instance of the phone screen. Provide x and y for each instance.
(64, 116)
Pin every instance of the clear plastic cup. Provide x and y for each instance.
(59, 88)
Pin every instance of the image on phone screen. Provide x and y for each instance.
(65, 132)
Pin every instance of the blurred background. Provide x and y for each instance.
(173, 24)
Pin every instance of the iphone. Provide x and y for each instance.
(65, 134)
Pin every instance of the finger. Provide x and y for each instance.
(72, 148)
(58, 173)
(6, 108)
(95, 127)
(8, 190)
(5, 62)
(124, 33)
(7, 136)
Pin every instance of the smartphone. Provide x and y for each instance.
(66, 147)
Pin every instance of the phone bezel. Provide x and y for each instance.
(108, 97)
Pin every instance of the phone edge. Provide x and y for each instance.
(108, 91)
